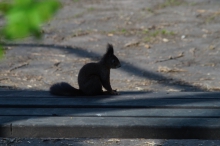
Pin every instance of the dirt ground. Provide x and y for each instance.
(163, 45)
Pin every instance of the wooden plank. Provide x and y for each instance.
(108, 127)
(111, 102)
(126, 95)
(111, 112)
(25, 93)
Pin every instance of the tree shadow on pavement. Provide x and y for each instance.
(143, 73)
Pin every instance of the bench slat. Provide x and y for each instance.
(106, 127)
(111, 102)
(126, 95)
(111, 112)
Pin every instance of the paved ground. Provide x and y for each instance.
(164, 45)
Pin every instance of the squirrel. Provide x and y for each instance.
(91, 78)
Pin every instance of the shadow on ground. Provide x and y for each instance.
(131, 69)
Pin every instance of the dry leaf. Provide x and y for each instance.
(29, 86)
(205, 30)
(114, 140)
(57, 64)
(211, 47)
(193, 50)
(147, 46)
(213, 88)
(183, 37)
(133, 43)
(110, 34)
(169, 70)
(139, 88)
(201, 11)
(165, 40)
(205, 79)
(172, 57)
(173, 90)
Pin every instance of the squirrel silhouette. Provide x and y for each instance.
(91, 78)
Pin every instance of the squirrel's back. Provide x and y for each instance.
(89, 70)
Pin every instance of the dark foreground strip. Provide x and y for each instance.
(134, 115)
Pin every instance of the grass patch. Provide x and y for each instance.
(147, 39)
(150, 10)
(170, 3)
(147, 35)
(212, 17)
(123, 30)
(91, 9)
(79, 15)
(166, 3)
(159, 32)
(75, 1)
(2, 52)
(81, 33)
(84, 12)
(192, 3)
(152, 35)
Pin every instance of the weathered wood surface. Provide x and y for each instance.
(129, 115)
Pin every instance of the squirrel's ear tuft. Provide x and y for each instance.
(110, 49)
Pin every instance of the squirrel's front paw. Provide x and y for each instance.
(114, 92)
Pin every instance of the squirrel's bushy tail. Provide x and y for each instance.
(64, 89)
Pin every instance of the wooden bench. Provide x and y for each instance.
(180, 115)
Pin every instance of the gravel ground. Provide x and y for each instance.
(163, 45)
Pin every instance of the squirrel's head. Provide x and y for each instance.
(110, 59)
